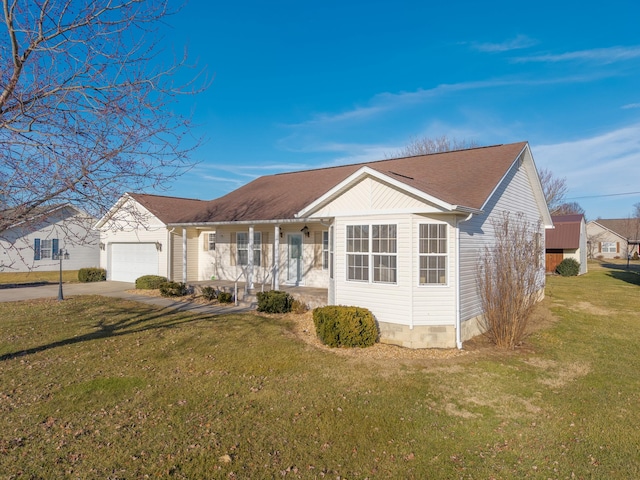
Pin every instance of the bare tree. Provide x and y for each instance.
(85, 104)
(636, 210)
(554, 188)
(426, 146)
(510, 279)
(568, 208)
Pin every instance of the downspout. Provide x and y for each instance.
(276, 258)
(250, 247)
(184, 255)
(169, 253)
(458, 312)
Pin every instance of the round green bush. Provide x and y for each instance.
(340, 326)
(92, 274)
(149, 282)
(569, 267)
(274, 301)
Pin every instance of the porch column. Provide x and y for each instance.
(184, 255)
(250, 260)
(276, 258)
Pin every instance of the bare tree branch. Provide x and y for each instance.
(554, 188)
(86, 101)
(426, 146)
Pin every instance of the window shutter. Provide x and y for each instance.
(317, 250)
(54, 249)
(232, 249)
(36, 249)
(205, 243)
(265, 249)
(599, 247)
(617, 247)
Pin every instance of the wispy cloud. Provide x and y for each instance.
(386, 101)
(630, 105)
(520, 42)
(603, 164)
(597, 55)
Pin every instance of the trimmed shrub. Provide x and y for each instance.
(569, 267)
(92, 274)
(225, 297)
(149, 282)
(299, 307)
(340, 326)
(209, 293)
(173, 289)
(274, 301)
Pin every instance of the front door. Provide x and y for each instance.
(294, 261)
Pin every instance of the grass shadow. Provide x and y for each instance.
(130, 322)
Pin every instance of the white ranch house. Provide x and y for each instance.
(33, 243)
(401, 237)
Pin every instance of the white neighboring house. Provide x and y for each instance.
(401, 237)
(135, 239)
(613, 237)
(33, 243)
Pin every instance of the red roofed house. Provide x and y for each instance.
(401, 237)
(568, 239)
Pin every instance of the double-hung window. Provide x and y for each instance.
(358, 253)
(325, 250)
(242, 246)
(432, 245)
(384, 248)
(609, 247)
(372, 248)
(211, 242)
(46, 248)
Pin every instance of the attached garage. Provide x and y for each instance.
(132, 260)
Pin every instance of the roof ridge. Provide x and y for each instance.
(370, 162)
(167, 196)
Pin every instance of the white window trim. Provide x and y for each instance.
(370, 253)
(445, 255)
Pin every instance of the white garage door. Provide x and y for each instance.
(132, 260)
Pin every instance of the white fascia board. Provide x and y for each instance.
(118, 205)
(107, 216)
(369, 172)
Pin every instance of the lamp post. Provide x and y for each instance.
(61, 254)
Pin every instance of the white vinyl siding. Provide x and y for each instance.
(513, 195)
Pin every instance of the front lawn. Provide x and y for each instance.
(38, 277)
(94, 387)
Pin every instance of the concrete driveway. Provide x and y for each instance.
(110, 289)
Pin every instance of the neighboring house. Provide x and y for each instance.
(135, 239)
(401, 237)
(614, 237)
(568, 239)
(33, 243)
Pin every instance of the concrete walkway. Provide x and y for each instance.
(111, 289)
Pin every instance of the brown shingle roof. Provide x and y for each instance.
(628, 228)
(167, 209)
(463, 177)
(566, 234)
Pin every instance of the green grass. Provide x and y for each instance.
(34, 276)
(101, 388)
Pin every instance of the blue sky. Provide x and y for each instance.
(300, 85)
